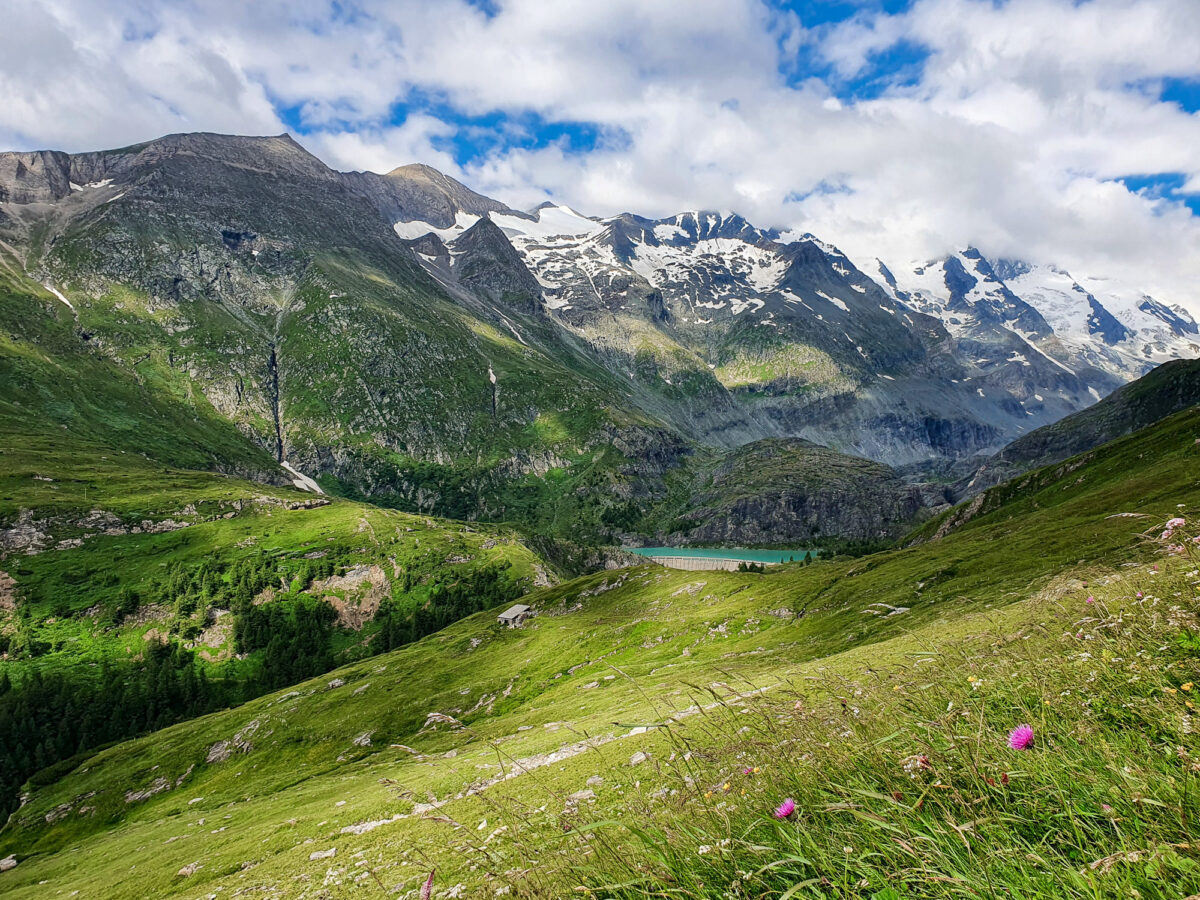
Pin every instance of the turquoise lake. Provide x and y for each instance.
(758, 556)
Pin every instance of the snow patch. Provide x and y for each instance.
(410, 231)
(835, 301)
(551, 221)
(668, 232)
(57, 293)
(301, 480)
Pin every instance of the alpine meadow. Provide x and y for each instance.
(734, 449)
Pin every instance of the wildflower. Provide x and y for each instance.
(1139, 595)
(708, 795)
(1177, 522)
(785, 809)
(1169, 690)
(1091, 599)
(725, 787)
(914, 764)
(1186, 686)
(1106, 807)
(427, 887)
(1021, 737)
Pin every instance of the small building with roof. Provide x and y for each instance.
(515, 615)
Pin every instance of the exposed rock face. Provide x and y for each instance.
(359, 593)
(488, 265)
(781, 490)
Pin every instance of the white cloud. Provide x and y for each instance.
(1010, 138)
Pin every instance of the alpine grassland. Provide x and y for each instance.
(1044, 750)
(836, 729)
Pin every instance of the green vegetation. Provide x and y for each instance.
(214, 684)
(471, 747)
(897, 780)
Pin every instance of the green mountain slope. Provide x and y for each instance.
(247, 278)
(787, 491)
(393, 760)
(1165, 390)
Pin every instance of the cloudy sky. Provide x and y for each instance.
(1062, 131)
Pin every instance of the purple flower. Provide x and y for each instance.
(1091, 599)
(1177, 522)
(1021, 737)
(427, 887)
(785, 809)
(1139, 595)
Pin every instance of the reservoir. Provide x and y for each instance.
(726, 558)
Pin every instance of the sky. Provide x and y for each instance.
(1064, 132)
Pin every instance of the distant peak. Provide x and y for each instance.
(421, 169)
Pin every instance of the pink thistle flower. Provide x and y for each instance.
(1021, 737)
(427, 887)
(1139, 595)
(1091, 599)
(1154, 568)
(785, 809)
(747, 771)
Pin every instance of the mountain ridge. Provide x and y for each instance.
(281, 288)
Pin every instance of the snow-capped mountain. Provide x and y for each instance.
(443, 324)
(1079, 324)
(760, 334)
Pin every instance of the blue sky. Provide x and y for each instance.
(1063, 131)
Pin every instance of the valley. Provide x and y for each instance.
(279, 443)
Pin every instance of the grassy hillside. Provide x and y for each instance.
(476, 750)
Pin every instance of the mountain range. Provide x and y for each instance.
(278, 443)
(403, 338)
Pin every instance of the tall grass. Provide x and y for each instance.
(903, 780)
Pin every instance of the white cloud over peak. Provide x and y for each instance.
(1003, 125)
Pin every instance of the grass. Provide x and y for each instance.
(902, 781)
(595, 679)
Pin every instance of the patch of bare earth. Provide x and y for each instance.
(360, 591)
